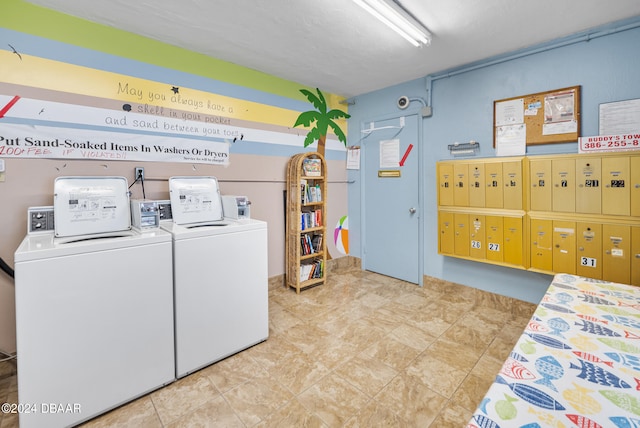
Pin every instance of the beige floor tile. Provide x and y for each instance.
(487, 367)
(392, 352)
(331, 352)
(454, 354)
(268, 353)
(333, 399)
(305, 336)
(369, 375)
(255, 399)
(412, 400)
(471, 392)
(232, 371)
(182, 397)
(298, 372)
(443, 376)
(214, 413)
(452, 416)
(464, 333)
(414, 337)
(374, 414)
(292, 414)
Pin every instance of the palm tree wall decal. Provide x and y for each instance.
(323, 120)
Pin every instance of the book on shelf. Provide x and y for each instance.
(316, 242)
(311, 270)
(303, 191)
(312, 167)
(309, 219)
(307, 246)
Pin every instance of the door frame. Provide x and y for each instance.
(364, 125)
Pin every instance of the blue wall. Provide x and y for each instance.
(605, 62)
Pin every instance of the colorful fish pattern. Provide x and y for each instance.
(625, 321)
(632, 361)
(516, 370)
(598, 375)
(548, 341)
(557, 308)
(583, 422)
(577, 363)
(595, 300)
(597, 329)
(622, 422)
(550, 369)
(558, 326)
(532, 395)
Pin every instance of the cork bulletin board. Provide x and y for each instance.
(542, 118)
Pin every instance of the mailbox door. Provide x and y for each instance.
(476, 185)
(564, 185)
(540, 184)
(541, 244)
(589, 246)
(588, 185)
(513, 240)
(446, 236)
(494, 232)
(512, 177)
(461, 240)
(616, 246)
(564, 247)
(445, 184)
(477, 235)
(494, 196)
(461, 184)
(616, 184)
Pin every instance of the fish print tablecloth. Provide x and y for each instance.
(577, 362)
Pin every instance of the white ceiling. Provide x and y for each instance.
(336, 46)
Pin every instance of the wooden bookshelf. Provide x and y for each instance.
(306, 250)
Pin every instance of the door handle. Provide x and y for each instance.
(412, 210)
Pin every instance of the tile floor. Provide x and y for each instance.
(363, 350)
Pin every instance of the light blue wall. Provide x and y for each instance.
(605, 62)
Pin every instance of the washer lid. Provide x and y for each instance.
(195, 200)
(90, 205)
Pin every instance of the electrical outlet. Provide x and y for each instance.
(139, 173)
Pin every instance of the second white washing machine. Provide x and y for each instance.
(220, 276)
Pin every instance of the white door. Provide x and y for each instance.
(391, 198)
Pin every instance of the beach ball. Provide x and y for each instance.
(341, 235)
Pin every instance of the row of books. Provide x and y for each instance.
(309, 219)
(310, 244)
(310, 193)
(312, 270)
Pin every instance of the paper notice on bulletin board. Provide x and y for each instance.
(509, 112)
(511, 140)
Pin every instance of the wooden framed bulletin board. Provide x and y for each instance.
(542, 118)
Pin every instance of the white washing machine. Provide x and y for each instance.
(94, 317)
(220, 276)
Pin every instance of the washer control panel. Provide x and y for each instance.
(40, 219)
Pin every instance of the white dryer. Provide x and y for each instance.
(94, 317)
(220, 276)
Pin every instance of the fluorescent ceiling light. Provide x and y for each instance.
(396, 18)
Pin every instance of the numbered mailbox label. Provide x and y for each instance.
(588, 261)
(494, 246)
(476, 244)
